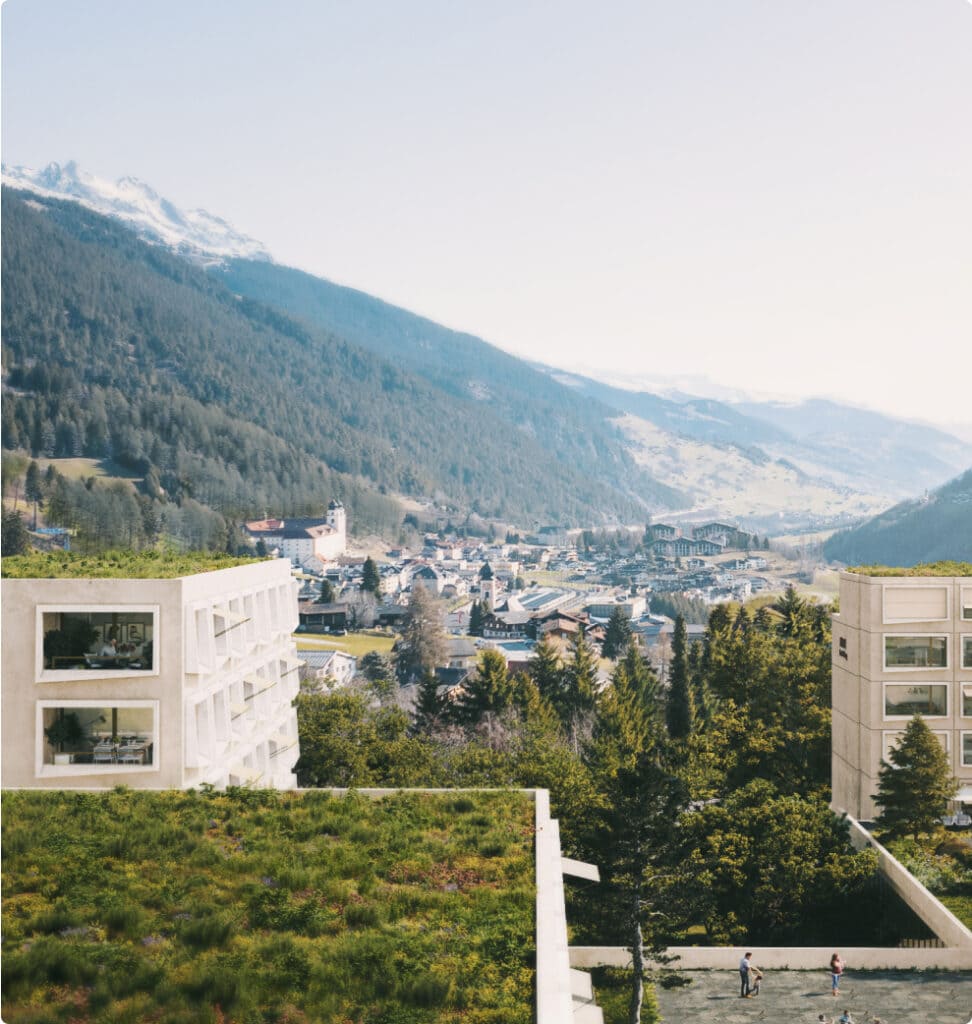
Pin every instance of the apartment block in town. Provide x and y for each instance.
(902, 645)
(151, 683)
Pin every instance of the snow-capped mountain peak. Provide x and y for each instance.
(193, 233)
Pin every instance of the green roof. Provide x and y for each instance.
(299, 906)
(136, 565)
(924, 569)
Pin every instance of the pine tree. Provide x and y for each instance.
(327, 591)
(914, 789)
(547, 672)
(678, 708)
(34, 488)
(633, 836)
(371, 577)
(476, 617)
(490, 690)
(618, 635)
(429, 706)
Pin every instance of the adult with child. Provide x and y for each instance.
(744, 964)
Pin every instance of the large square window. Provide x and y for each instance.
(97, 639)
(92, 737)
(916, 652)
(903, 700)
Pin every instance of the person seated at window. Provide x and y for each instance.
(109, 648)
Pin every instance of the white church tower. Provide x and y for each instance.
(338, 521)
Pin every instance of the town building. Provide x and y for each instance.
(902, 645)
(306, 542)
(164, 683)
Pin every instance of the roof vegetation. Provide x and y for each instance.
(140, 565)
(257, 905)
(923, 569)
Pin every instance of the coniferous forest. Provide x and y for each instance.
(117, 350)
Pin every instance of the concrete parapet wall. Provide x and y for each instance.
(792, 958)
(938, 917)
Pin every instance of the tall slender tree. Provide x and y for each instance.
(678, 707)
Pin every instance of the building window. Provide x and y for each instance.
(967, 749)
(967, 603)
(890, 740)
(842, 647)
(96, 738)
(916, 652)
(967, 652)
(903, 700)
(967, 700)
(102, 639)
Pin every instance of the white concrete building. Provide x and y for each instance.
(307, 543)
(902, 645)
(198, 688)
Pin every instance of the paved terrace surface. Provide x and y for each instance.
(798, 997)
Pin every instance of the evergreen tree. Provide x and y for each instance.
(371, 578)
(547, 672)
(15, 540)
(476, 616)
(34, 488)
(327, 591)
(915, 788)
(678, 708)
(490, 689)
(618, 635)
(430, 708)
(579, 692)
(634, 825)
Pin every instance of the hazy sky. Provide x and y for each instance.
(776, 195)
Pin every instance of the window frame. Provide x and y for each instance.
(44, 770)
(46, 675)
(962, 761)
(913, 668)
(911, 714)
(966, 649)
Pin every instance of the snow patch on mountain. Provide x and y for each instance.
(192, 233)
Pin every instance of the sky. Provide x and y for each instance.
(773, 195)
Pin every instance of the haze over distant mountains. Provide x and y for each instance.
(766, 464)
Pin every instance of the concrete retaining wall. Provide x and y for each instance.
(938, 917)
(792, 958)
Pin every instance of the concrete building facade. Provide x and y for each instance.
(902, 645)
(151, 683)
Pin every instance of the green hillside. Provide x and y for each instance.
(937, 527)
(574, 427)
(116, 349)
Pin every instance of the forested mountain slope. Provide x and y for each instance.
(114, 348)
(936, 527)
(574, 428)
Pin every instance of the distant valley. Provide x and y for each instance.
(389, 403)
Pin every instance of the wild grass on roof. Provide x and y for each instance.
(924, 569)
(140, 565)
(263, 906)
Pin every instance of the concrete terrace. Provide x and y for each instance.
(894, 997)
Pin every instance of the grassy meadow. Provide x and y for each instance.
(262, 907)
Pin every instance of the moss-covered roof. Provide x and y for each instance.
(138, 565)
(924, 569)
